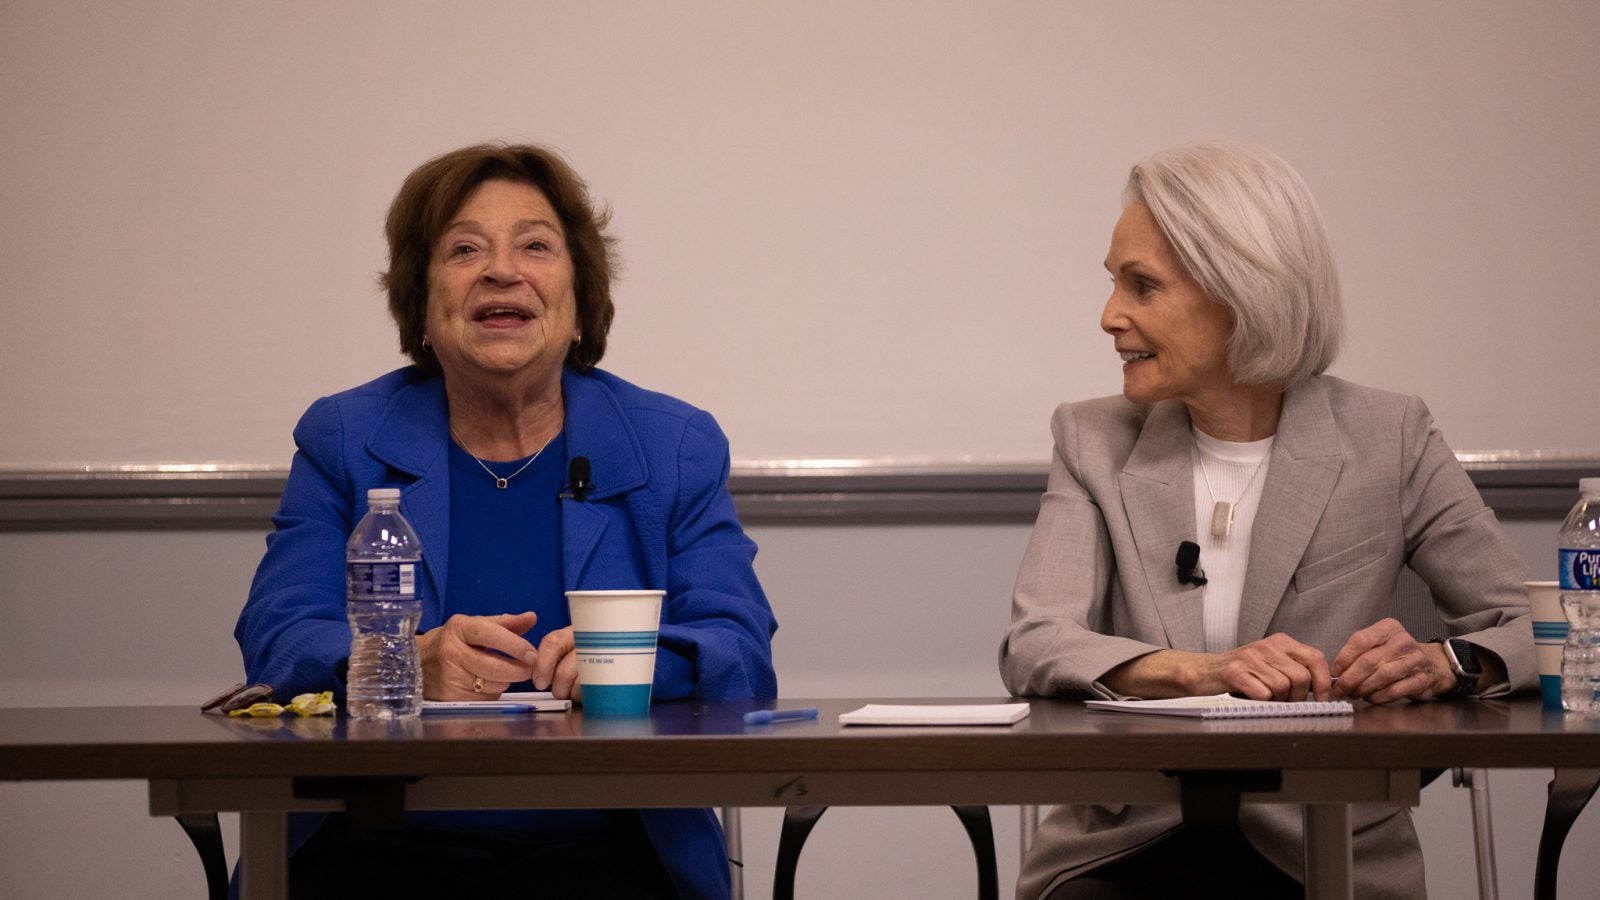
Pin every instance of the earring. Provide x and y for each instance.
(426, 347)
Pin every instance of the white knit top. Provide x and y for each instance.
(1234, 473)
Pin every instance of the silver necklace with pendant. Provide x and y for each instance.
(500, 481)
(1222, 510)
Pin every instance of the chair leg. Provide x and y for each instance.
(206, 834)
(1030, 827)
(1476, 781)
(1570, 790)
(797, 824)
(733, 834)
(980, 830)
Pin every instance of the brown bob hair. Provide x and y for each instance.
(434, 193)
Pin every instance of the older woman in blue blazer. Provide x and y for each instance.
(1307, 497)
(499, 281)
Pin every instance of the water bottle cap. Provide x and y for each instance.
(1589, 486)
(376, 494)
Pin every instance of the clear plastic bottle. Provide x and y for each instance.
(1580, 601)
(385, 676)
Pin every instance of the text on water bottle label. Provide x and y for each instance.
(1580, 570)
(380, 580)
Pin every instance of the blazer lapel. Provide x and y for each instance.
(1157, 486)
(597, 429)
(582, 524)
(1304, 471)
(410, 438)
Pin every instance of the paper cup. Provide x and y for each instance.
(615, 637)
(1549, 636)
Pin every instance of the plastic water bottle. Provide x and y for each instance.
(385, 677)
(1580, 601)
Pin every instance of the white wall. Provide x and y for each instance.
(850, 229)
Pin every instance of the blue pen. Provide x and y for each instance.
(768, 716)
(518, 709)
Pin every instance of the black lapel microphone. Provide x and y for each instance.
(1189, 571)
(578, 475)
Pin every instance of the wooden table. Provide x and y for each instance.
(696, 753)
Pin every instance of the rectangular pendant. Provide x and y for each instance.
(1221, 519)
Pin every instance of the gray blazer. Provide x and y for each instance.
(1360, 487)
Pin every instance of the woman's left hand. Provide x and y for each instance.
(556, 670)
(1383, 663)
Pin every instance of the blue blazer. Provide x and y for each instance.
(659, 516)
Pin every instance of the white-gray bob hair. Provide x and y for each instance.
(1247, 229)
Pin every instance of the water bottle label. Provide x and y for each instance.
(380, 580)
(1580, 570)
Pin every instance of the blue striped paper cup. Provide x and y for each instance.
(1549, 636)
(614, 633)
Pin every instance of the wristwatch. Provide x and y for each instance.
(1464, 662)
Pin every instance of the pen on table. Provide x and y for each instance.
(481, 710)
(768, 716)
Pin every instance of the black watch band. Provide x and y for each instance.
(1463, 660)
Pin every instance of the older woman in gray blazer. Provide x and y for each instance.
(1307, 496)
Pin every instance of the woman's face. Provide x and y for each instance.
(1172, 337)
(500, 287)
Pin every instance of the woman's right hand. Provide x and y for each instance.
(1277, 667)
(465, 649)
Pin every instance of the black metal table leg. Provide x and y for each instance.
(206, 833)
(799, 820)
(980, 830)
(797, 824)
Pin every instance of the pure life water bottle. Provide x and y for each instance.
(1580, 600)
(385, 678)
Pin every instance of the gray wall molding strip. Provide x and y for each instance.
(139, 497)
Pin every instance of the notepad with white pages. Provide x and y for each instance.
(1225, 706)
(945, 714)
(508, 703)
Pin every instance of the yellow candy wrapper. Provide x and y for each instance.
(303, 705)
(259, 711)
(313, 704)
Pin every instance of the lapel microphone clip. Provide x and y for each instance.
(1189, 571)
(578, 478)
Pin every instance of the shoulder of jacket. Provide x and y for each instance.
(635, 400)
(1102, 414)
(382, 388)
(359, 407)
(1344, 394)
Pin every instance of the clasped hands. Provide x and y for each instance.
(1381, 663)
(478, 657)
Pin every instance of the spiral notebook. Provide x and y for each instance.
(1225, 706)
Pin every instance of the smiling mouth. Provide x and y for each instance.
(1135, 356)
(502, 314)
